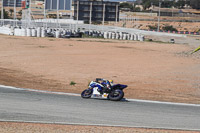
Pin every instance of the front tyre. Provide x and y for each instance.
(86, 93)
(116, 95)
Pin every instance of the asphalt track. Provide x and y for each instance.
(27, 106)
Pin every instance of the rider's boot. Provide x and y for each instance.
(100, 91)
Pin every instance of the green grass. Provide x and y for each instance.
(42, 46)
(72, 83)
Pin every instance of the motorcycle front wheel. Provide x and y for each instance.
(116, 95)
(86, 93)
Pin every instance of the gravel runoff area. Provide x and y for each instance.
(7, 127)
(153, 71)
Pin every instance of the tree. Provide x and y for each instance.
(169, 28)
(147, 3)
(11, 11)
(180, 4)
(6, 16)
(20, 12)
(195, 4)
(169, 3)
(126, 5)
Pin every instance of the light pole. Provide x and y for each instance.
(44, 9)
(103, 13)
(116, 16)
(2, 15)
(158, 29)
(90, 13)
(151, 8)
(15, 12)
(77, 12)
(57, 13)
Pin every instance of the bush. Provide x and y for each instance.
(152, 27)
(72, 83)
(96, 22)
(169, 28)
(6, 14)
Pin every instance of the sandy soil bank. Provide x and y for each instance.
(154, 71)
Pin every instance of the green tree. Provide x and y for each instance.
(11, 11)
(169, 3)
(147, 3)
(6, 14)
(20, 12)
(126, 5)
(180, 4)
(169, 28)
(195, 4)
(136, 9)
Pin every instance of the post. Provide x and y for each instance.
(90, 12)
(30, 8)
(151, 8)
(14, 9)
(57, 13)
(57, 9)
(44, 9)
(51, 4)
(77, 10)
(116, 14)
(158, 29)
(14, 13)
(64, 4)
(2, 13)
(103, 13)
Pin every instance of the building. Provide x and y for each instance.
(96, 11)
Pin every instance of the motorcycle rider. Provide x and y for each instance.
(106, 83)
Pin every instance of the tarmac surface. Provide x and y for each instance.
(26, 106)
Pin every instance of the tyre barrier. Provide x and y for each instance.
(43, 33)
(67, 33)
(34, 32)
(28, 32)
(38, 32)
(5, 30)
(123, 36)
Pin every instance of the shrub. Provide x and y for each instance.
(72, 83)
(169, 28)
(154, 27)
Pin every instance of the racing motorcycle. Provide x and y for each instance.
(115, 93)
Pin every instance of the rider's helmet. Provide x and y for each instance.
(111, 82)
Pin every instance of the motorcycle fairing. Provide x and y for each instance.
(96, 94)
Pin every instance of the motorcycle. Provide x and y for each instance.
(115, 93)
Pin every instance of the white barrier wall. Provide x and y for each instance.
(6, 30)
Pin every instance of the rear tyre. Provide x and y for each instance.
(116, 95)
(86, 93)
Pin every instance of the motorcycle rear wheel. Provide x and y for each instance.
(86, 93)
(116, 95)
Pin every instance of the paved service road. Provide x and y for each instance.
(26, 106)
